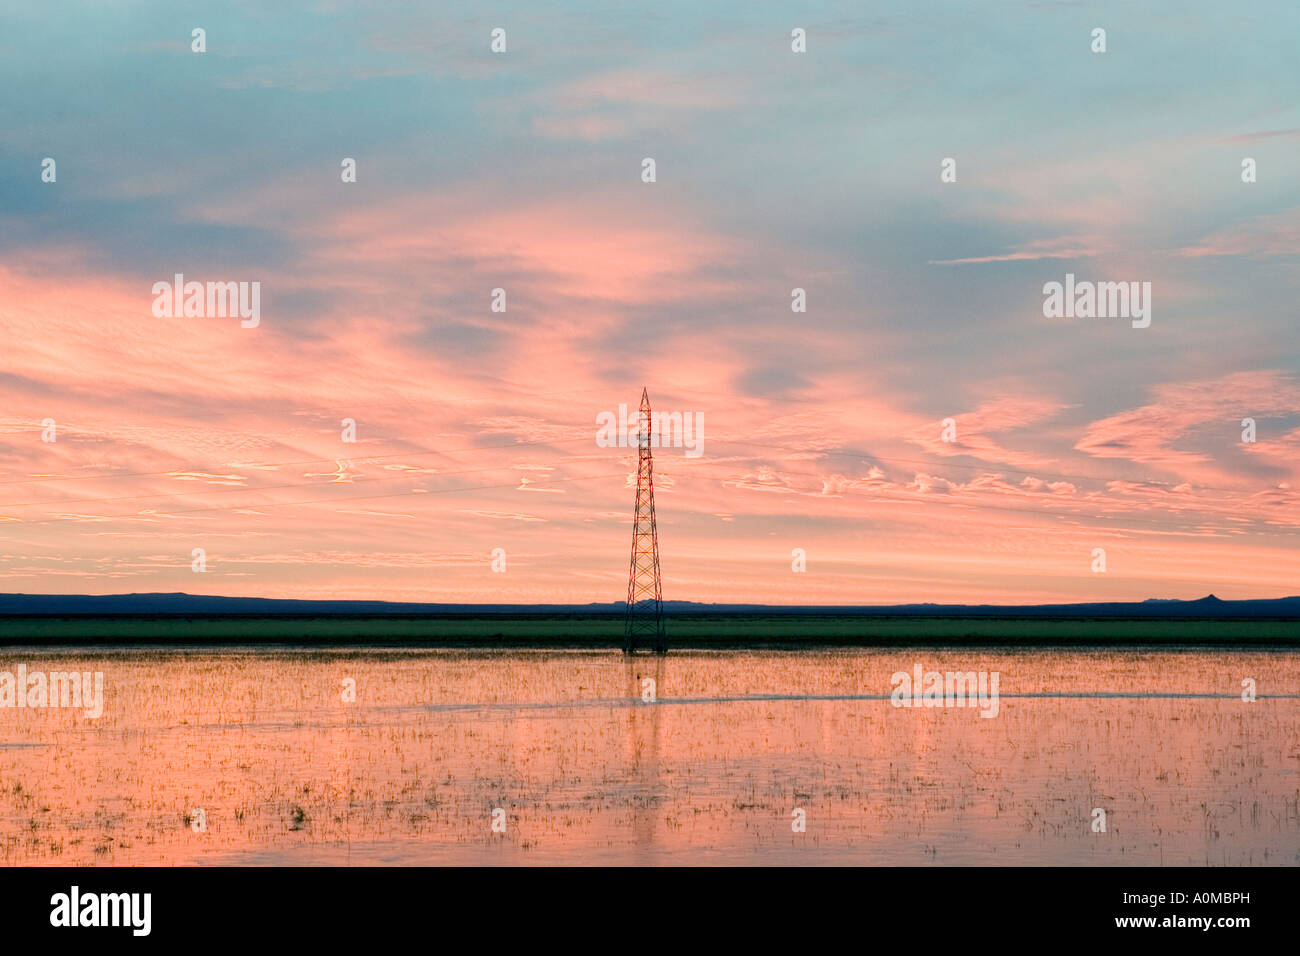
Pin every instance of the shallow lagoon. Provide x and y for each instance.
(285, 770)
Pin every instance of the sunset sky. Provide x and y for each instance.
(775, 170)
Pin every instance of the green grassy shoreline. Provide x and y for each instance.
(606, 631)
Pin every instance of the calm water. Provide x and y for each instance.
(286, 771)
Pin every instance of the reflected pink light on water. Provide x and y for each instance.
(285, 771)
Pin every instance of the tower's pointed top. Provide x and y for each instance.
(645, 399)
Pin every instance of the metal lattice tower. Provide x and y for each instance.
(643, 623)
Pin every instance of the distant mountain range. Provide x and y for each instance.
(180, 603)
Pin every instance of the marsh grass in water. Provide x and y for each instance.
(286, 771)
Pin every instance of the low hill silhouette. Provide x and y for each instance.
(180, 603)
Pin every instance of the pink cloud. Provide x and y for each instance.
(1276, 234)
(1149, 433)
